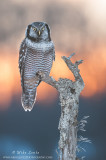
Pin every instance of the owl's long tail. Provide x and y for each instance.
(29, 94)
(28, 100)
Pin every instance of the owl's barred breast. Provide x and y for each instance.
(39, 57)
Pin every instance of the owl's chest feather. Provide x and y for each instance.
(38, 55)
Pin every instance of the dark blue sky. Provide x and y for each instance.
(38, 129)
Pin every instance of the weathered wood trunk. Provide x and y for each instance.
(69, 99)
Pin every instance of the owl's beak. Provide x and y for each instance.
(39, 32)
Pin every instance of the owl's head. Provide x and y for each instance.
(38, 31)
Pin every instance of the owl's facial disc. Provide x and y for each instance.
(38, 31)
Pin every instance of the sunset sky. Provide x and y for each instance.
(76, 26)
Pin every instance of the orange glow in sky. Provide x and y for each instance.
(92, 71)
(82, 26)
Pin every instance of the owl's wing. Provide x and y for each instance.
(22, 54)
(53, 52)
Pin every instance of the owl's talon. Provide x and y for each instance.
(40, 74)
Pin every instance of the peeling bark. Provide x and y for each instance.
(69, 99)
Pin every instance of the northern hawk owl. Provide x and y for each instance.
(36, 54)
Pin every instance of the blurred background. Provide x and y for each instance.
(76, 26)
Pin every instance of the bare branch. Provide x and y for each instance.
(71, 55)
(47, 79)
(73, 67)
(79, 62)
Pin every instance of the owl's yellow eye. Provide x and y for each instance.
(34, 29)
(43, 28)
